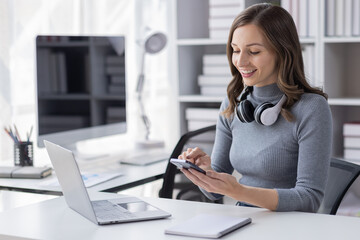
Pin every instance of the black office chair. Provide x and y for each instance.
(188, 190)
(342, 175)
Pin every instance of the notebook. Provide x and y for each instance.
(24, 172)
(208, 226)
(120, 210)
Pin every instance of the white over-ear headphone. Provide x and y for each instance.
(264, 114)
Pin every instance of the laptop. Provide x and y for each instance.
(119, 210)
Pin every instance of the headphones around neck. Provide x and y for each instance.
(265, 113)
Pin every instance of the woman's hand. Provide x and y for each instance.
(214, 182)
(198, 157)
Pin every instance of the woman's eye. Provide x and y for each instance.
(236, 51)
(254, 53)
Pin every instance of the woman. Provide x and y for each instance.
(283, 157)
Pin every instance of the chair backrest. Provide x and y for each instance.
(171, 170)
(341, 176)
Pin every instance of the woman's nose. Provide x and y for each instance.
(242, 60)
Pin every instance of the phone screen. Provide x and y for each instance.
(180, 163)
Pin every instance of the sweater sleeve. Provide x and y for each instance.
(314, 134)
(220, 160)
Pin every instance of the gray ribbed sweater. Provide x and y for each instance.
(291, 157)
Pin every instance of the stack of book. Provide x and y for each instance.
(221, 16)
(199, 118)
(342, 18)
(305, 14)
(115, 70)
(216, 75)
(351, 133)
(53, 72)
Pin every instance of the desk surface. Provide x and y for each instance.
(132, 176)
(52, 219)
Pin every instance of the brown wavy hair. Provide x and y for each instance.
(279, 29)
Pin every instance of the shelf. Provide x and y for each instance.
(307, 40)
(64, 44)
(200, 98)
(110, 97)
(64, 96)
(341, 39)
(201, 41)
(344, 101)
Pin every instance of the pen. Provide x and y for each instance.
(8, 132)
(29, 135)
(13, 136)
(17, 133)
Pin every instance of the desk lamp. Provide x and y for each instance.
(153, 44)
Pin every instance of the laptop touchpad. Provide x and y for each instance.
(134, 207)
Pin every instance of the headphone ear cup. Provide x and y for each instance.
(259, 110)
(246, 111)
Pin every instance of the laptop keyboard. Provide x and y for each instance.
(105, 210)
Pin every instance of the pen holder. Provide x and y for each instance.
(23, 154)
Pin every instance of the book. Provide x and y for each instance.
(352, 142)
(351, 129)
(215, 59)
(226, 2)
(356, 18)
(221, 23)
(313, 17)
(303, 18)
(208, 226)
(25, 172)
(287, 5)
(330, 17)
(339, 26)
(215, 70)
(202, 114)
(348, 18)
(197, 124)
(61, 73)
(219, 33)
(214, 80)
(295, 13)
(225, 11)
(214, 91)
(352, 154)
(115, 60)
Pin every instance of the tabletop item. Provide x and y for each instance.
(119, 210)
(208, 226)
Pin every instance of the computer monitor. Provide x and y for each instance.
(80, 88)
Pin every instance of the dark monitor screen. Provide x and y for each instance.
(80, 87)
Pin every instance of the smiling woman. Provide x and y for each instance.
(280, 139)
(253, 57)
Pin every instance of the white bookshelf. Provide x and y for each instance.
(336, 63)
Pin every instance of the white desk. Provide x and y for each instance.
(52, 219)
(132, 176)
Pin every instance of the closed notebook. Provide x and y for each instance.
(208, 226)
(25, 172)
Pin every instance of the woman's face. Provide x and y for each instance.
(253, 57)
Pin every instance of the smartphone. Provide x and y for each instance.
(181, 163)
